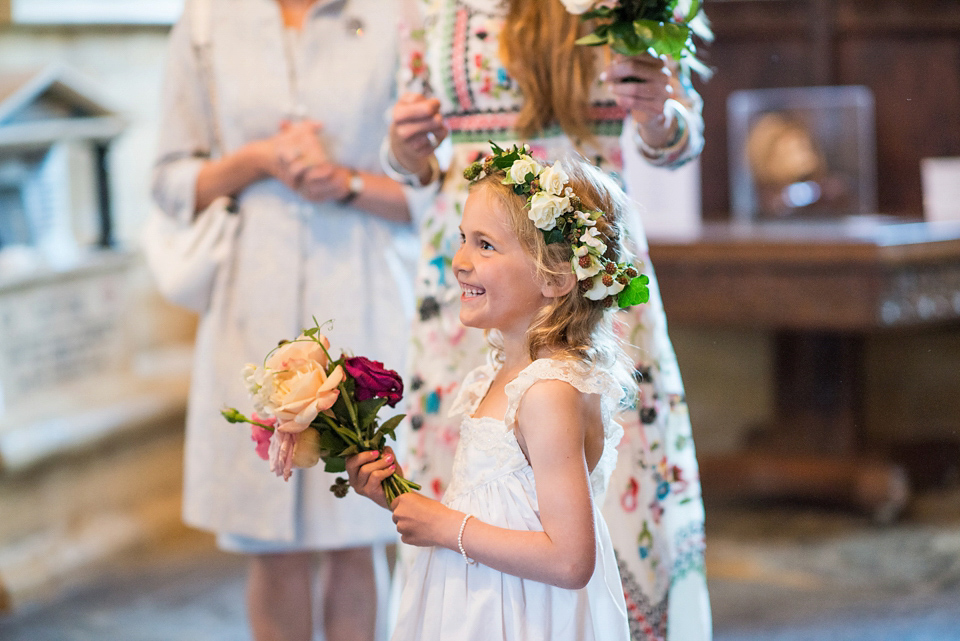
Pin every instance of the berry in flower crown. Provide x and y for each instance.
(562, 217)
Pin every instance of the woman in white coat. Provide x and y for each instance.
(295, 92)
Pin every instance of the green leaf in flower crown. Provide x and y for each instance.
(555, 235)
(389, 426)
(635, 293)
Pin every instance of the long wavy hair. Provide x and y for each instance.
(555, 75)
(570, 326)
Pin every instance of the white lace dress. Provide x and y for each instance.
(444, 598)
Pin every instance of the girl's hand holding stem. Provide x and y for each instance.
(368, 470)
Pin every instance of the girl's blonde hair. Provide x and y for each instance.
(554, 74)
(571, 326)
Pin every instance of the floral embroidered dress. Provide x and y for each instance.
(653, 508)
(444, 598)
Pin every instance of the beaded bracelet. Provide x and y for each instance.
(460, 541)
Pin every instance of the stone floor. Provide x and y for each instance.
(776, 573)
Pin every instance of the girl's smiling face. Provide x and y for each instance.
(498, 283)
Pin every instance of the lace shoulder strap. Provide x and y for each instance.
(472, 390)
(586, 379)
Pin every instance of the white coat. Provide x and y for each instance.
(294, 259)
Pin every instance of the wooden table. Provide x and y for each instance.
(821, 288)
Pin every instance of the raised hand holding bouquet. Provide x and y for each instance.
(633, 27)
(310, 407)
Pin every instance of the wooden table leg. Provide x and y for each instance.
(815, 448)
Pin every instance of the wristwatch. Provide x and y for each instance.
(354, 187)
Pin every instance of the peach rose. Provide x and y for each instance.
(297, 387)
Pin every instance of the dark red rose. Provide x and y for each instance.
(373, 379)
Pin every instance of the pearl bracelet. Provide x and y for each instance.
(460, 541)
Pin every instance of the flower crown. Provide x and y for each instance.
(560, 214)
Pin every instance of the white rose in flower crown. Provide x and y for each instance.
(552, 179)
(546, 208)
(522, 167)
(577, 7)
(298, 385)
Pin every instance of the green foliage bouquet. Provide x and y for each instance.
(633, 27)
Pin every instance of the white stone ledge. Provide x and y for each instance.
(87, 415)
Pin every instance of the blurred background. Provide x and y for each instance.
(810, 272)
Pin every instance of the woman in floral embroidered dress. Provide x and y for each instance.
(508, 71)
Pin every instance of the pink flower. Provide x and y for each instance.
(281, 454)
(261, 435)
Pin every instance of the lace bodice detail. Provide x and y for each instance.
(488, 447)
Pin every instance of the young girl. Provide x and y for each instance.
(518, 548)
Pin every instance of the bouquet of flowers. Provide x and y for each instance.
(632, 27)
(310, 407)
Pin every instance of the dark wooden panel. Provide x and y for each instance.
(908, 53)
(917, 107)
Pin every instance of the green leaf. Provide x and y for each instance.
(340, 410)
(635, 293)
(367, 411)
(553, 236)
(592, 40)
(599, 12)
(330, 441)
(334, 464)
(349, 451)
(389, 426)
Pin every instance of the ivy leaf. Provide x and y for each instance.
(635, 293)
